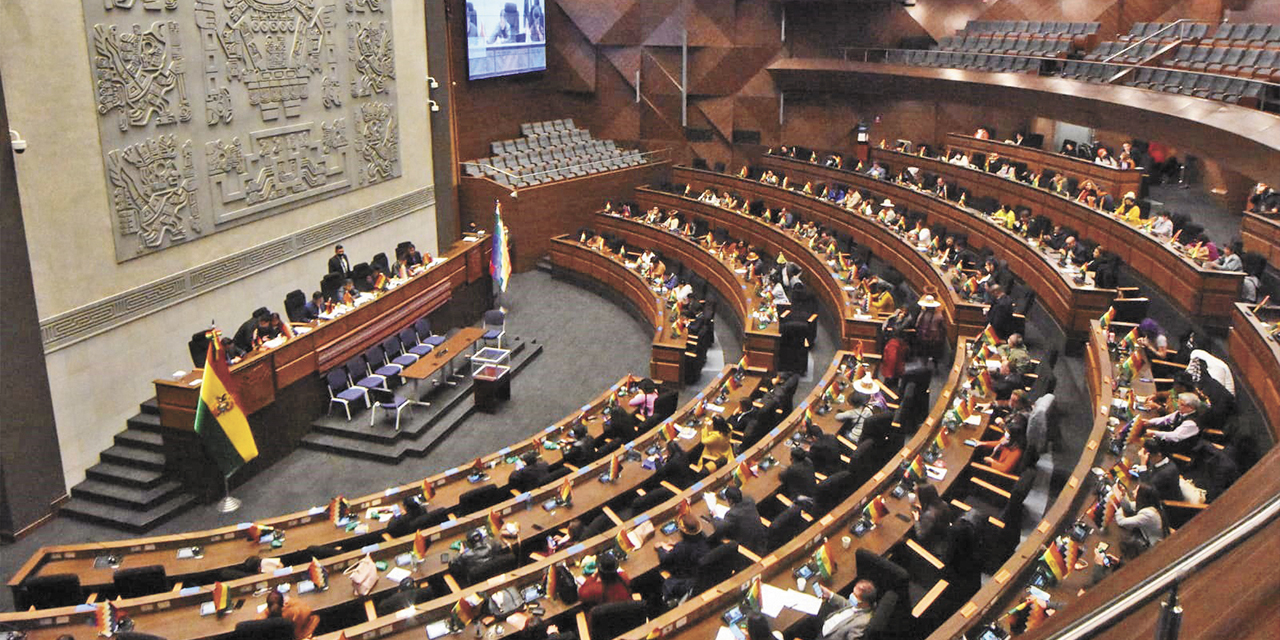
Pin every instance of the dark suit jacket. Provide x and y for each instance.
(244, 335)
(402, 599)
(1165, 480)
(336, 265)
(798, 480)
(682, 560)
(529, 477)
(1000, 317)
(742, 525)
(825, 453)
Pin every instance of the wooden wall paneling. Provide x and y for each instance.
(1261, 235)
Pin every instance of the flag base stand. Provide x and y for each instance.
(228, 503)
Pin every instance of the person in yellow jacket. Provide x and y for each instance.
(717, 449)
(882, 302)
(1128, 209)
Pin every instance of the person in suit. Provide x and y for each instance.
(824, 449)
(311, 310)
(256, 330)
(1158, 470)
(798, 479)
(1178, 431)
(681, 559)
(1000, 314)
(412, 256)
(747, 412)
(339, 263)
(583, 449)
(532, 474)
(933, 518)
(848, 617)
(741, 523)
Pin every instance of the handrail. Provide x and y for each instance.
(1164, 579)
(1139, 42)
(522, 176)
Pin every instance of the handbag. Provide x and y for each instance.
(363, 575)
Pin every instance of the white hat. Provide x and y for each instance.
(913, 170)
(930, 302)
(1130, 196)
(888, 204)
(865, 385)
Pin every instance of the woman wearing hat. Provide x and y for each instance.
(606, 584)
(1128, 209)
(931, 328)
(681, 559)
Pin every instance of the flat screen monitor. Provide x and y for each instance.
(505, 37)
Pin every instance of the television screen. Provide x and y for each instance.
(505, 37)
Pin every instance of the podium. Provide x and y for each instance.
(491, 377)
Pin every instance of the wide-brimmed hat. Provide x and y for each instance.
(865, 385)
(887, 204)
(689, 525)
(1130, 196)
(930, 302)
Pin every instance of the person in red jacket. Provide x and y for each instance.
(1007, 451)
(607, 585)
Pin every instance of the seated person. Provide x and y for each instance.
(1152, 337)
(407, 595)
(1141, 513)
(1229, 260)
(479, 549)
(254, 330)
(824, 449)
(606, 584)
(1128, 209)
(1177, 430)
(741, 523)
(643, 401)
(583, 449)
(231, 350)
(1006, 452)
(881, 301)
(1158, 470)
(1263, 200)
(932, 517)
(311, 310)
(798, 479)
(533, 473)
(681, 559)
(304, 622)
(717, 449)
(847, 619)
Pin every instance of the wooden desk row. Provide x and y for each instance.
(1199, 292)
(1072, 305)
(1257, 357)
(1007, 587)
(667, 362)
(227, 546)
(1261, 235)
(964, 318)
(699, 618)
(760, 342)
(641, 561)
(835, 295)
(1116, 181)
(174, 615)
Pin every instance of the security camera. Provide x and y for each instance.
(15, 140)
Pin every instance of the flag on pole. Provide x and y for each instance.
(941, 440)
(983, 383)
(989, 336)
(1105, 320)
(822, 558)
(318, 574)
(220, 421)
(876, 510)
(1053, 559)
(221, 597)
(566, 492)
(1037, 614)
(916, 470)
(106, 618)
(500, 262)
(743, 472)
(1015, 620)
(419, 545)
(551, 583)
(754, 593)
(669, 431)
(466, 608)
(682, 509)
(428, 490)
(615, 467)
(339, 508)
(625, 542)
(495, 523)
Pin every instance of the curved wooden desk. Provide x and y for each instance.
(964, 318)
(1199, 292)
(1117, 181)
(760, 343)
(699, 618)
(667, 362)
(834, 294)
(1072, 305)
(1261, 234)
(174, 615)
(644, 560)
(1256, 355)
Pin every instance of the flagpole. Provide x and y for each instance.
(228, 503)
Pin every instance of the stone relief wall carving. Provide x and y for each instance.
(299, 103)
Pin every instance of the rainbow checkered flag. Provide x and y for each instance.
(615, 467)
(1037, 614)
(1072, 553)
(500, 262)
(319, 575)
(1015, 620)
(1053, 559)
(221, 597)
(339, 508)
(1105, 320)
(106, 619)
(822, 559)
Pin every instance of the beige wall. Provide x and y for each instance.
(98, 383)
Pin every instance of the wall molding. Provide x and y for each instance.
(82, 323)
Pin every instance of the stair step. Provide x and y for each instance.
(132, 521)
(125, 475)
(130, 456)
(138, 439)
(125, 496)
(150, 407)
(145, 422)
(383, 452)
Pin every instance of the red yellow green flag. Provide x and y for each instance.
(615, 467)
(1053, 559)
(419, 545)
(221, 597)
(822, 558)
(495, 523)
(428, 490)
(220, 422)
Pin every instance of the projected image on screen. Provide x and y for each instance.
(505, 37)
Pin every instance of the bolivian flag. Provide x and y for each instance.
(220, 421)
(822, 558)
(221, 597)
(754, 593)
(1053, 559)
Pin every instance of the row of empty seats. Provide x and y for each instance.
(1224, 34)
(958, 60)
(1031, 26)
(550, 151)
(1050, 45)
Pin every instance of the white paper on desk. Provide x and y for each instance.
(803, 602)
(717, 510)
(397, 574)
(772, 600)
(437, 629)
(436, 261)
(274, 342)
(725, 633)
(470, 239)
(687, 433)
(973, 420)
(847, 288)
(936, 474)
(299, 331)
(715, 407)
(739, 270)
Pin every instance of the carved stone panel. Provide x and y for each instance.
(299, 103)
